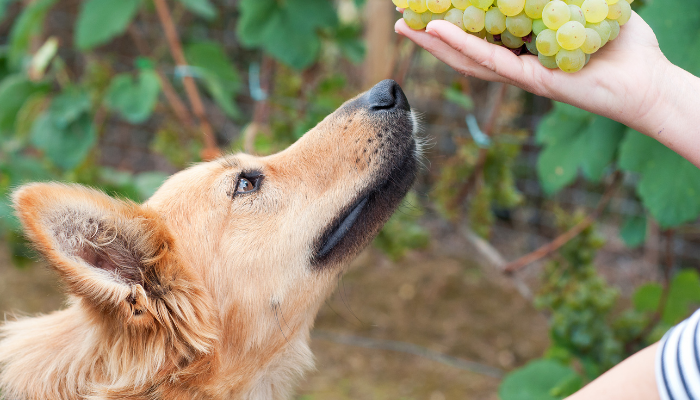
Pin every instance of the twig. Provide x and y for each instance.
(408, 348)
(468, 185)
(564, 238)
(176, 104)
(210, 150)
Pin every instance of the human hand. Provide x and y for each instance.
(622, 81)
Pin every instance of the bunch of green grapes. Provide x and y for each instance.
(561, 33)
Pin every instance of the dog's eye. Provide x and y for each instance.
(248, 183)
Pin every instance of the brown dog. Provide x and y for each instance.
(210, 288)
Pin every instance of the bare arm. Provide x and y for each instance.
(632, 379)
(628, 80)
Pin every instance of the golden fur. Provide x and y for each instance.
(202, 292)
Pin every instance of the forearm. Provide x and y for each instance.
(673, 114)
(633, 379)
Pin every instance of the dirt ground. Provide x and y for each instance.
(443, 303)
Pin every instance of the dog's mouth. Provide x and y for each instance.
(363, 218)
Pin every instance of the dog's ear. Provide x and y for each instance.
(114, 254)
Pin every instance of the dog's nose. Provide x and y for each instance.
(387, 95)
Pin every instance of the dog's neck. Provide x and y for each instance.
(64, 355)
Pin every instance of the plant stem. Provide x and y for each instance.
(210, 150)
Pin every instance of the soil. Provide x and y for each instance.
(443, 303)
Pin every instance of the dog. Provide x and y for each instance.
(210, 288)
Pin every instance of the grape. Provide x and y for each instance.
(595, 10)
(614, 28)
(532, 47)
(426, 17)
(626, 13)
(474, 19)
(438, 6)
(555, 14)
(495, 21)
(418, 6)
(491, 39)
(571, 35)
(592, 42)
(483, 4)
(576, 3)
(547, 42)
(413, 19)
(461, 4)
(538, 26)
(577, 14)
(614, 10)
(481, 34)
(611, 2)
(511, 7)
(570, 60)
(455, 16)
(547, 61)
(511, 41)
(400, 3)
(438, 16)
(519, 25)
(603, 28)
(533, 8)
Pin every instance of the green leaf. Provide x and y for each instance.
(634, 231)
(458, 97)
(67, 107)
(287, 30)
(676, 24)
(220, 77)
(148, 182)
(14, 92)
(203, 8)
(67, 146)
(647, 297)
(99, 21)
(574, 139)
(134, 100)
(539, 380)
(669, 186)
(29, 23)
(350, 42)
(683, 297)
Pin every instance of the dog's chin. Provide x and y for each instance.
(362, 219)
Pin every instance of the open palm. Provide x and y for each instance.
(619, 82)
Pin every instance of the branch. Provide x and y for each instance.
(408, 348)
(176, 104)
(564, 238)
(210, 150)
(468, 185)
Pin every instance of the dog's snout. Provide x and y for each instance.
(387, 95)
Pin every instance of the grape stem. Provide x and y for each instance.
(211, 150)
(565, 237)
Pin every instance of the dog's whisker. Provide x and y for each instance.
(343, 294)
(274, 307)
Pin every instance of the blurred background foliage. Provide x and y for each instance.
(120, 94)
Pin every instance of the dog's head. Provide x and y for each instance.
(232, 256)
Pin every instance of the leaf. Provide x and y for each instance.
(203, 8)
(67, 146)
(287, 30)
(634, 231)
(134, 100)
(683, 296)
(67, 107)
(14, 92)
(29, 23)
(350, 42)
(99, 21)
(148, 182)
(647, 297)
(575, 140)
(676, 24)
(538, 380)
(458, 97)
(669, 186)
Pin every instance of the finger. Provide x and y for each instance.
(523, 71)
(446, 54)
